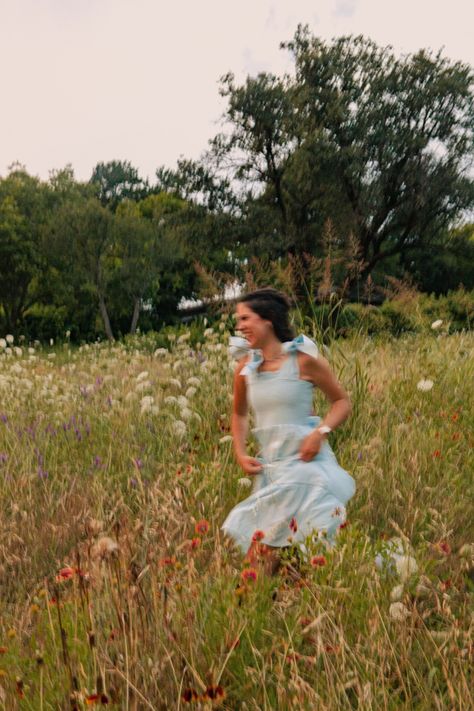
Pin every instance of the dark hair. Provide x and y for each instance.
(271, 305)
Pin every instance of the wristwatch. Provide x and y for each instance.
(324, 429)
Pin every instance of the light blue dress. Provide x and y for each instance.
(291, 499)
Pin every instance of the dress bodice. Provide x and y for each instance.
(280, 397)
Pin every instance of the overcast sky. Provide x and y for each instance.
(85, 81)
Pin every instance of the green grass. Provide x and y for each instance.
(90, 481)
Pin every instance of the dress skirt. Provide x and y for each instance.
(291, 499)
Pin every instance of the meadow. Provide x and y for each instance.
(118, 589)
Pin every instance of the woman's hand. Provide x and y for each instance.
(311, 445)
(250, 465)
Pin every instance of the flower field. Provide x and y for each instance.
(118, 589)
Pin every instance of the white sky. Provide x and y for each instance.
(85, 81)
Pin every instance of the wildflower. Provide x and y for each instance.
(425, 385)
(146, 403)
(443, 547)
(437, 454)
(142, 376)
(138, 463)
(9, 338)
(190, 695)
(195, 543)
(65, 574)
(293, 525)
(249, 574)
(437, 324)
(104, 548)
(3, 343)
(318, 561)
(244, 482)
(396, 593)
(343, 525)
(202, 527)
(92, 699)
(258, 536)
(195, 382)
(179, 428)
(214, 693)
(167, 561)
(191, 391)
(160, 352)
(406, 566)
(225, 438)
(398, 611)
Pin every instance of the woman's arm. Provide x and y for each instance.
(239, 422)
(318, 372)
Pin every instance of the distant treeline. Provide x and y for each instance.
(354, 169)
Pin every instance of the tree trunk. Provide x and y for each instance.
(105, 318)
(136, 314)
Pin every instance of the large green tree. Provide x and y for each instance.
(379, 144)
(24, 204)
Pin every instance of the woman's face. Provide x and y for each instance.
(254, 328)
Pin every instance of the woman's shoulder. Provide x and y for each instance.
(241, 363)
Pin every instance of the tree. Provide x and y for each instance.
(116, 181)
(379, 145)
(23, 219)
(82, 245)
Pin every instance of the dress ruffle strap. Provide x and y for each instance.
(239, 347)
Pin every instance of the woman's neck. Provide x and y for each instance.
(272, 350)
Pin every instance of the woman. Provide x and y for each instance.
(299, 488)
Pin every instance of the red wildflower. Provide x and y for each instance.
(446, 584)
(318, 560)
(214, 693)
(455, 417)
(189, 695)
(195, 543)
(249, 574)
(92, 699)
(202, 527)
(437, 453)
(168, 560)
(258, 536)
(444, 547)
(343, 524)
(456, 436)
(65, 574)
(293, 525)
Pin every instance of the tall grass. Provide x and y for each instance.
(118, 589)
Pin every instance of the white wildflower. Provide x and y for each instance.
(3, 343)
(225, 438)
(31, 351)
(436, 324)
(141, 376)
(425, 385)
(175, 382)
(142, 385)
(197, 417)
(244, 482)
(186, 413)
(177, 364)
(154, 410)
(51, 356)
(170, 400)
(191, 391)
(183, 401)
(9, 338)
(396, 593)
(171, 337)
(160, 352)
(406, 567)
(195, 382)
(68, 334)
(398, 611)
(18, 351)
(146, 403)
(104, 548)
(184, 337)
(51, 341)
(179, 428)
(208, 332)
